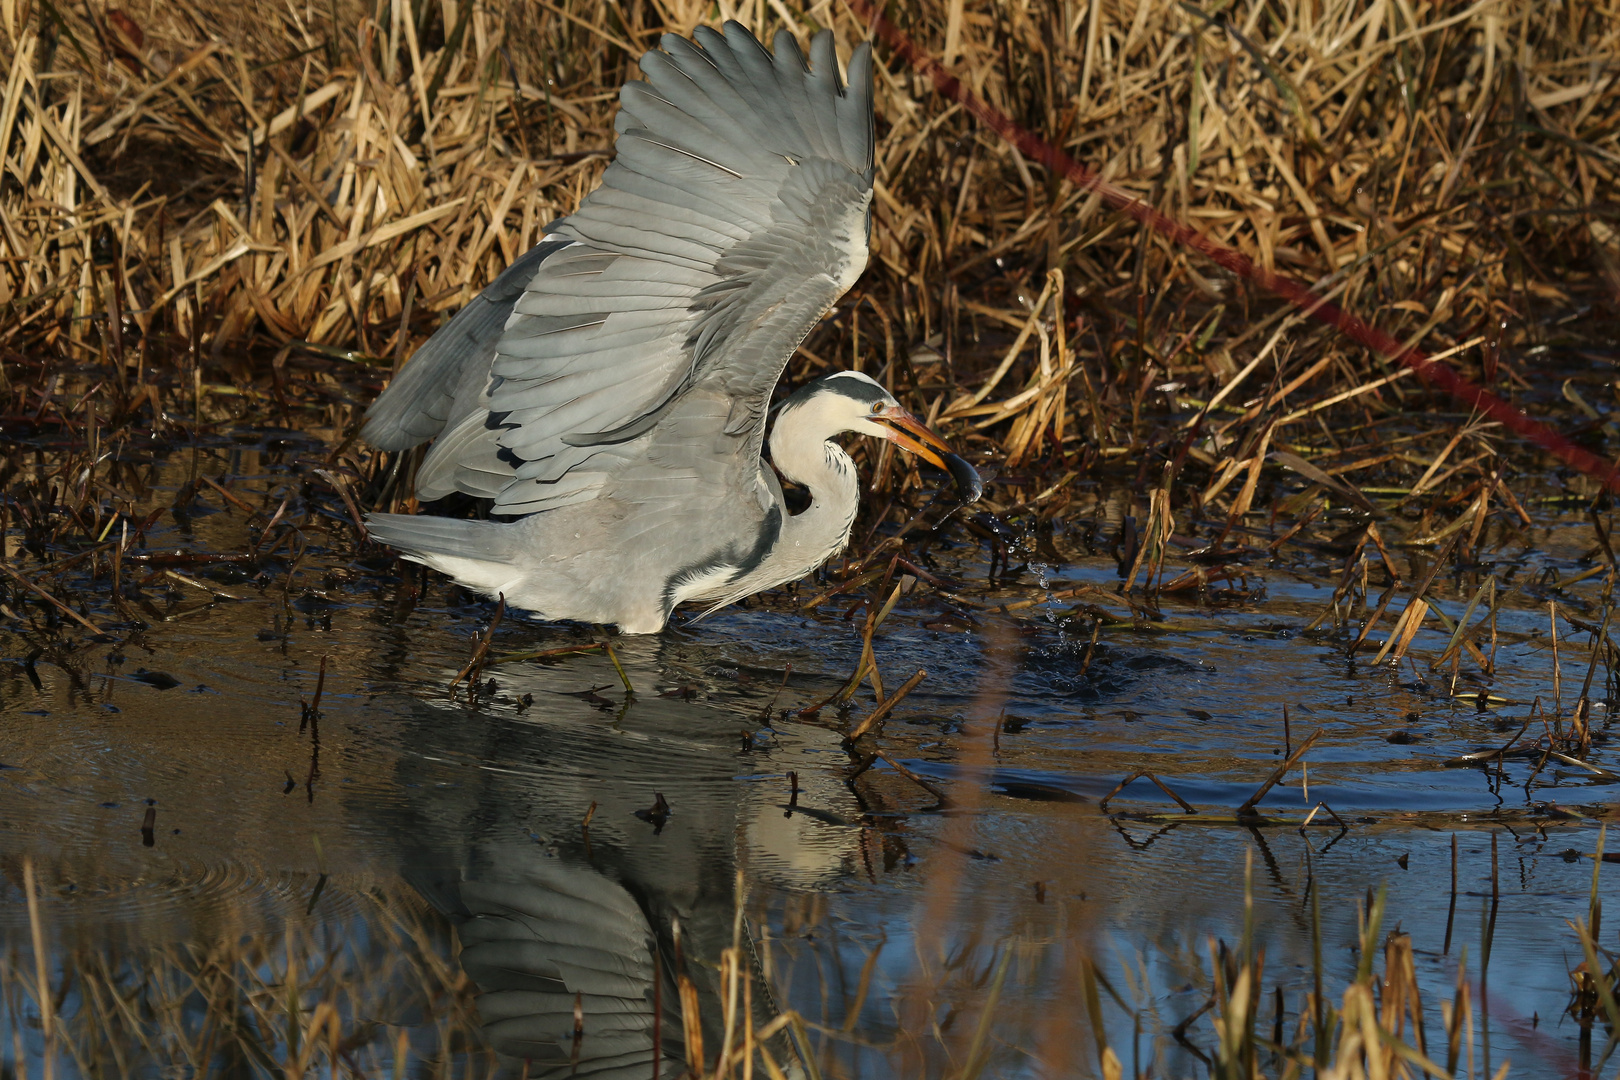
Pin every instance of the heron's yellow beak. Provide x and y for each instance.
(909, 433)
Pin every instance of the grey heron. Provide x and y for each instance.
(609, 391)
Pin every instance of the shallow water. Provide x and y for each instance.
(400, 805)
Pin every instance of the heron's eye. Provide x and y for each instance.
(877, 407)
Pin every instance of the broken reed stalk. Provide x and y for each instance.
(53, 601)
(613, 658)
(879, 714)
(1412, 616)
(1581, 718)
(1142, 774)
(1319, 808)
(481, 659)
(1279, 772)
(1558, 667)
(475, 663)
(311, 712)
(1459, 637)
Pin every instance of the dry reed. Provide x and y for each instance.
(189, 192)
(300, 999)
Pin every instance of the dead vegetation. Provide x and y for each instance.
(296, 1001)
(191, 194)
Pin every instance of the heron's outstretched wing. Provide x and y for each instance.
(732, 218)
(421, 401)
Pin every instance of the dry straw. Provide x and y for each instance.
(189, 188)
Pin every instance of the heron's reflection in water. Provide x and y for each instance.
(578, 936)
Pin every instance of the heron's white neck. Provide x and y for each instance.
(803, 451)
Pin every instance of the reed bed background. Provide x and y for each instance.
(192, 192)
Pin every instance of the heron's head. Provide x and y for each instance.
(850, 401)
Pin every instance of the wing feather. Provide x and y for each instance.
(463, 458)
(822, 101)
(420, 402)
